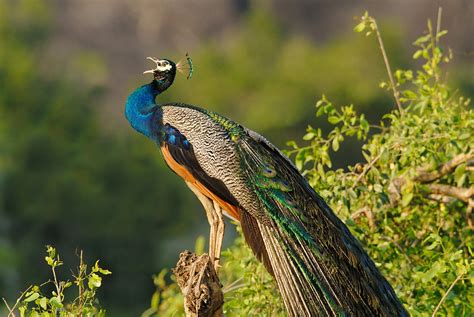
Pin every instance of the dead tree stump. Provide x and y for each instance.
(200, 285)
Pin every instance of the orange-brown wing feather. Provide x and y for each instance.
(184, 173)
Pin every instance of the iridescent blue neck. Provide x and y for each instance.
(140, 107)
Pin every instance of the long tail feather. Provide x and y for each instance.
(320, 267)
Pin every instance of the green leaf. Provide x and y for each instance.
(22, 310)
(422, 39)
(155, 300)
(320, 102)
(441, 33)
(94, 281)
(56, 302)
(32, 297)
(407, 199)
(333, 119)
(43, 302)
(378, 188)
(104, 271)
(417, 54)
(49, 260)
(360, 27)
(308, 136)
(199, 245)
(34, 313)
(335, 144)
(409, 94)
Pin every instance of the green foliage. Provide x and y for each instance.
(410, 202)
(249, 290)
(413, 218)
(37, 301)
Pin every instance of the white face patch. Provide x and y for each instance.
(163, 66)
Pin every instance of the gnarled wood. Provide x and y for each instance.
(200, 285)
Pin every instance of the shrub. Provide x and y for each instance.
(35, 301)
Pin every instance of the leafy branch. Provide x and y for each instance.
(34, 303)
(368, 22)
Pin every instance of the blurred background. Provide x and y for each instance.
(74, 174)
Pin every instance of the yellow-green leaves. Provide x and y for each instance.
(94, 281)
(32, 297)
(347, 124)
(38, 301)
(420, 232)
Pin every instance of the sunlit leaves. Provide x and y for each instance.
(421, 240)
(35, 301)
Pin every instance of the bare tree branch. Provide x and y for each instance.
(368, 213)
(441, 198)
(462, 194)
(426, 177)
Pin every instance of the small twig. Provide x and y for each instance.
(58, 289)
(446, 294)
(232, 286)
(438, 24)
(387, 65)
(368, 213)
(190, 280)
(10, 310)
(365, 170)
(11, 313)
(80, 285)
(426, 177)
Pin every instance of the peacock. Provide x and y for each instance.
(318, 265)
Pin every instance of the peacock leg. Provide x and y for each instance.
(219, 233)
(213, 219)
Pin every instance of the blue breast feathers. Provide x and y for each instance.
(173, 137)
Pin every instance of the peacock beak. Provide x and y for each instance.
(152, 71)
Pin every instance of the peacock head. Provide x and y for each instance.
(163, 73)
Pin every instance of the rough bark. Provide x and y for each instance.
(200, 285)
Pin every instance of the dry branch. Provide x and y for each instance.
(200, 285)
(458, 192)
(368, 213)
(444, 169)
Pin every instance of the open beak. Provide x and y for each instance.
(154, 60)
